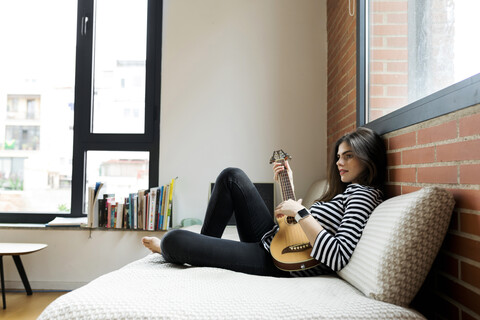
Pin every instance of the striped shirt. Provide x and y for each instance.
(343, 219)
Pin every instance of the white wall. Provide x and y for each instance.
(72, 258)
(240, 79)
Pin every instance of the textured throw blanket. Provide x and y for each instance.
(150, 288)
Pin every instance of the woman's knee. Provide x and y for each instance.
(232, 174)
(171, 244)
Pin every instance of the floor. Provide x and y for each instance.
(21, 306)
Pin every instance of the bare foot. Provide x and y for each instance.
(152, 243)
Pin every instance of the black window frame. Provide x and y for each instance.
(455, 97)
(83, 138)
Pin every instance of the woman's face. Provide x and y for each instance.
(349, 166)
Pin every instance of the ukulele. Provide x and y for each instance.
(290, 248)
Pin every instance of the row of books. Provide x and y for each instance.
(148, 209)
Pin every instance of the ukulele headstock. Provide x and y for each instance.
(279, 156)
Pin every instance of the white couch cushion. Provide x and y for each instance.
(152, 289)
(399, 244)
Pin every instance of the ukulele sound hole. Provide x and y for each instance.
(290, 220)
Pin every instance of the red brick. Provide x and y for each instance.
(401, 91)
(418, 156)
(397, 42)
(348, 121)
(437, 174)
(470, 174)
(376, 67)
(466, 316)
(390, 30)
(447, 264)
(462, 246)
(454, 221)
(459, 293)
(402, 175)
(394, 159)
(470, 274)
(446, 310)
(441, 132)
(392, 190)
(397, 18)
(469, 126)
(386, 79)
(376, 91)
(470, 223)
(402, 141)
(390, 54)
(352, 96)
(465, 150)
(392, 6)
(375, 114)
(409, 189)
(387, 103)
(397, 66)
(378, 18)
(466, 199)
(377, 42)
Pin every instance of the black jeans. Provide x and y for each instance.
(233, 193)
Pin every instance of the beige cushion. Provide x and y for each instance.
(314, 192)
(399, 244)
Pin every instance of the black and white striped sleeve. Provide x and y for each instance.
(334, 249)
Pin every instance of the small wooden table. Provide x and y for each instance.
(16, 250)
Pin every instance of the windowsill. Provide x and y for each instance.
(22, 225)
(42, 226)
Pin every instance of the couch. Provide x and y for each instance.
(390, 263)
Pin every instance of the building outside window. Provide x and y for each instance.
(80, 107)
(414, 49)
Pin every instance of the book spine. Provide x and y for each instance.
(165, 207)
(148, 209)
(102, 213)
(170, 204)
(140, 210)
(120, 211)
(153, 199)
(135, 211)
(158, 208)
(114, 215)
(109, 213)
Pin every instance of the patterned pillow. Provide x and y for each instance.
(399, 244)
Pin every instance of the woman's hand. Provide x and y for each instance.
(289, 208)
(279, 167)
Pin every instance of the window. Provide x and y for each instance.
(416, 60)
(119, 68)
(79, 102)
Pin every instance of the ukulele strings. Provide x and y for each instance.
(286, 186)
(295, 235)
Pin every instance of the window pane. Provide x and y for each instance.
(37, 64)
(417, 48)
(120, 51)
(121, 172)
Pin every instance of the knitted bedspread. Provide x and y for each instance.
(150, 288)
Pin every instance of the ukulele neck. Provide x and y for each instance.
(285, 184)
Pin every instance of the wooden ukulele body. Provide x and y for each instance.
(290, 248)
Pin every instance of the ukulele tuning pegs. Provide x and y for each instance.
(279, 155)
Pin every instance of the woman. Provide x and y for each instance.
(333, 225)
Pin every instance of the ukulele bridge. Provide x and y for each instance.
(297, 248)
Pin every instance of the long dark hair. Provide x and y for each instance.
(370, 149)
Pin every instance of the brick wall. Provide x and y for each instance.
(389, 58)
(341, 36)
(444, 152)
